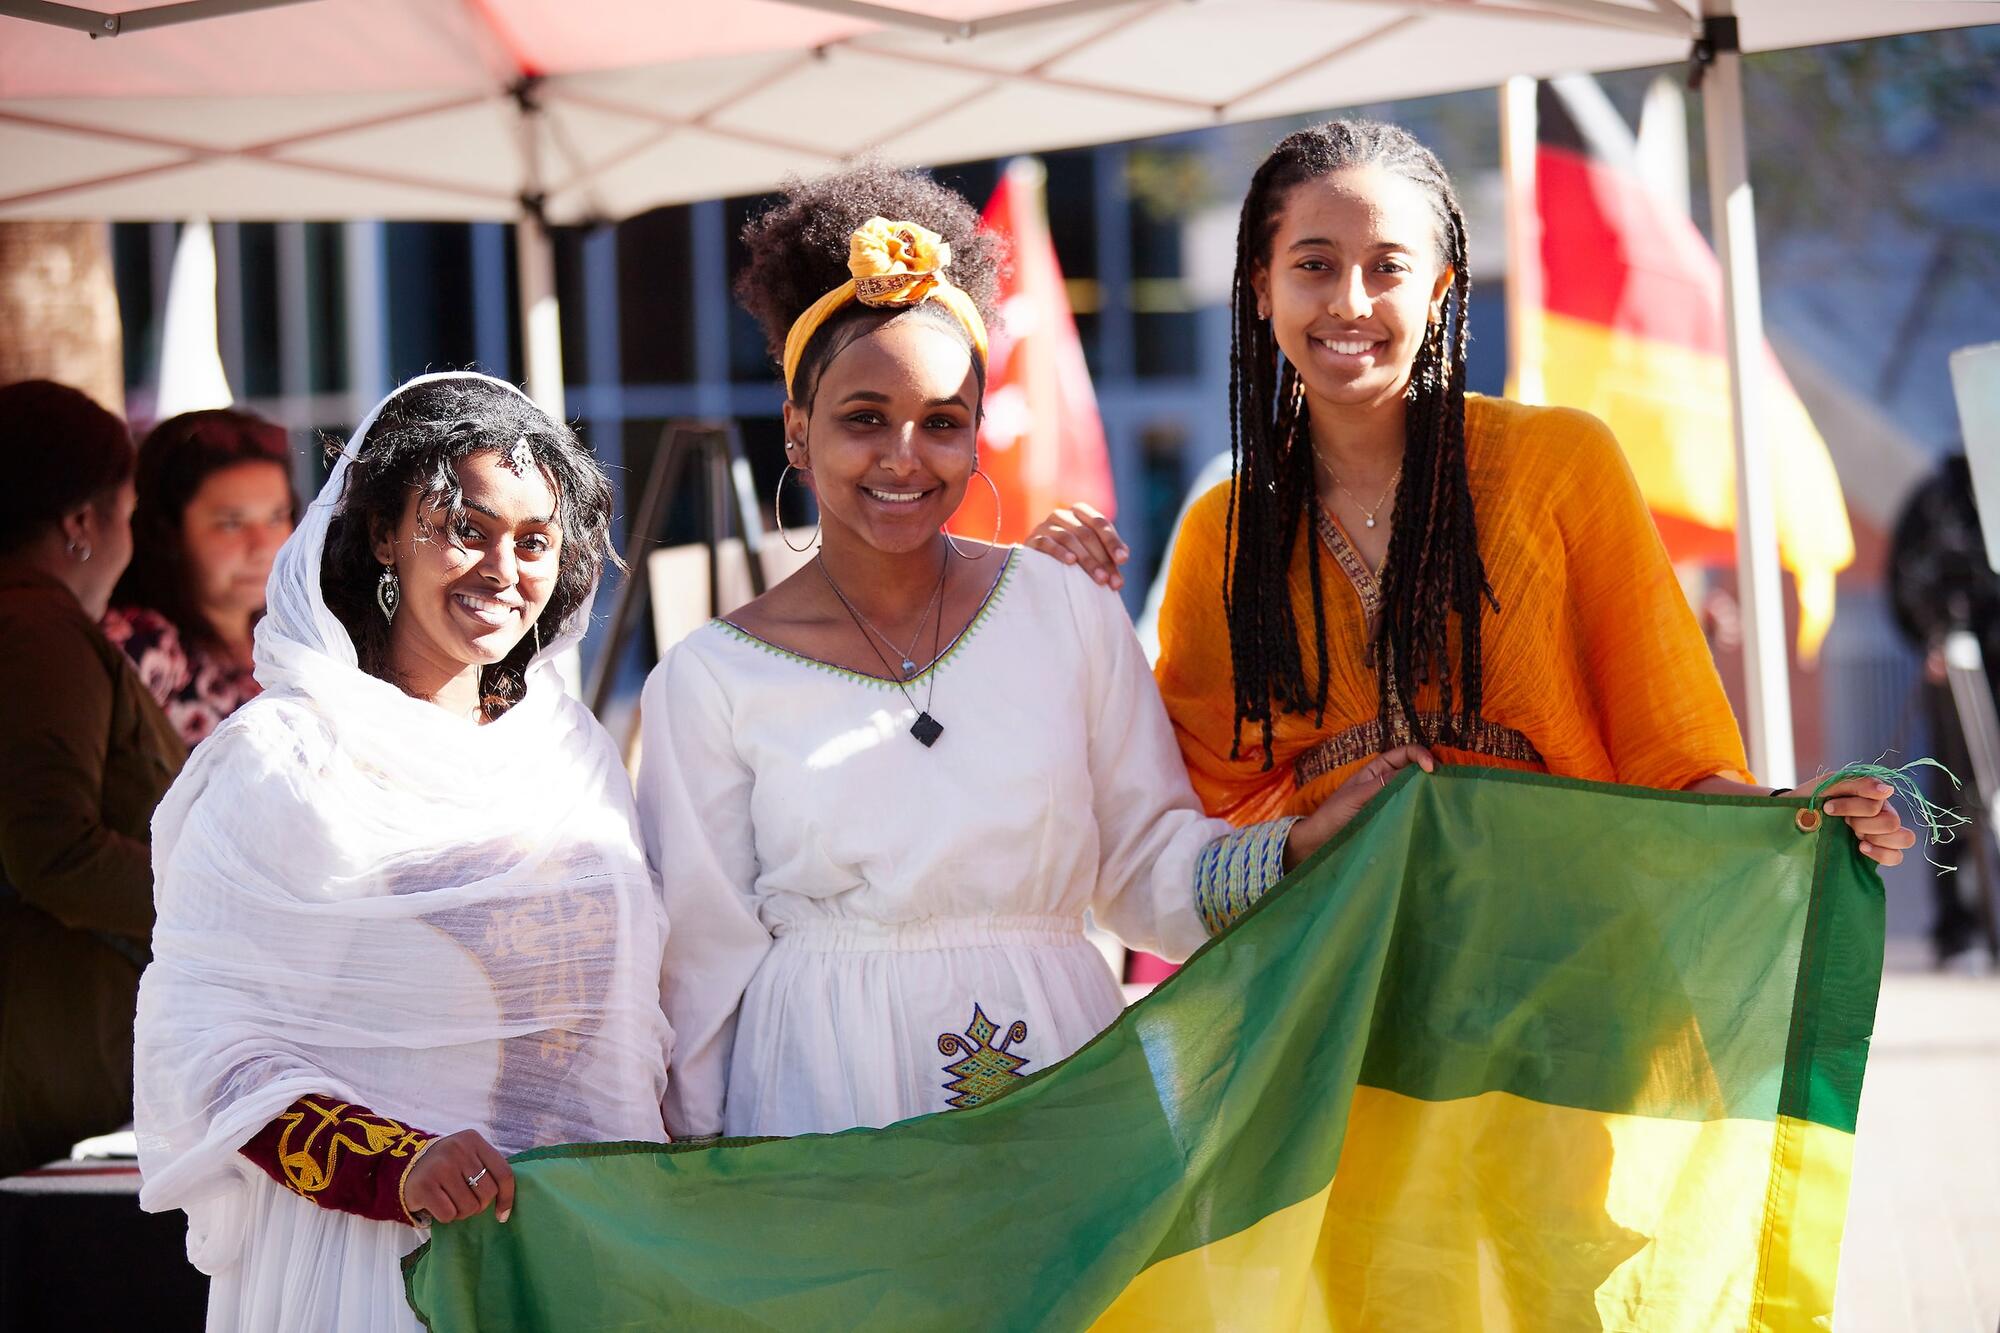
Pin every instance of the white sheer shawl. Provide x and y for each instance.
(364, 896)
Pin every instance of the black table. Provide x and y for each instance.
(76, 1252)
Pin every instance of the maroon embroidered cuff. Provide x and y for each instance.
(340, 1155)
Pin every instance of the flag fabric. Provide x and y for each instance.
(1514, 1051)
(1631, 329)
(1041, 440)
(192, 377)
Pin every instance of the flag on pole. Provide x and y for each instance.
(1467, 1068)
(1041, 442)
(1629, 327)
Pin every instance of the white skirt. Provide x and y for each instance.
(307, 1269)
(852, 1022)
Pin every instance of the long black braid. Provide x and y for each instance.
(1434, 572)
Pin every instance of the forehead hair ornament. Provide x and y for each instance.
(892, 265)
(519, 458)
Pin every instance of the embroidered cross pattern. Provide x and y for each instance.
(309, 1154)
(986, 1068)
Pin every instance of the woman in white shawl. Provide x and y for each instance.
(405, 923)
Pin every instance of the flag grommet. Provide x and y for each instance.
(1807, 820)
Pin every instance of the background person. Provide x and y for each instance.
(88, 755)
(214, 504)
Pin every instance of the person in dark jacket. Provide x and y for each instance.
(88, 754)
(1940, 581)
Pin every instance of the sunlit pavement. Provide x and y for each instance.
(1923, 1222)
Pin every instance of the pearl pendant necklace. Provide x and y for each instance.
(1367, 514)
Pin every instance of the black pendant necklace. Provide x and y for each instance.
(926, 728)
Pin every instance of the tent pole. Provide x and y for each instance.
(541, 322)
(1518, 117)
(1766, 663)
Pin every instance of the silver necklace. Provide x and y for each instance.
(908, 657)
(926, 728)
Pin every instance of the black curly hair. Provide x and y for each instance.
(798, 253)
(1434, 575)
(416, 443)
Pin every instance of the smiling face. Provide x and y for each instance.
(230, 531)
(890, 442)
(472, 583)
(1351, 281)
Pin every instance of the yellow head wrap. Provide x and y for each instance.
(894, 264)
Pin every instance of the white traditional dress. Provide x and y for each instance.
(366, 898)
(866, 929)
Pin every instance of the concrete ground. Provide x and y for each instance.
(1922, 1251)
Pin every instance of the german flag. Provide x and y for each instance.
(1465, 1069)
(1630, 328)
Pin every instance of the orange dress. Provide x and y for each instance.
(1594, 665)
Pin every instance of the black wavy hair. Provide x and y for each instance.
(1434, 585)
(177, 456)
(60, 450)
(416, 443)
(798, 253)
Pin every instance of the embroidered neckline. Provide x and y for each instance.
(972, 626)
(1367, 583)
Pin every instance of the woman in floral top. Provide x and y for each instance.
(215, 503)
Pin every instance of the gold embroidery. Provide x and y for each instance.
(1362, 742)
(548, 962)
(1366, 585)
(403, 1183)
(316, 1137)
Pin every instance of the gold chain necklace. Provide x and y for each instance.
(1367, 514)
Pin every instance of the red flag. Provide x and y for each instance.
(1041, 442)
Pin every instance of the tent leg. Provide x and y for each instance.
(541, 323)
(541, 353)
(1765, 660)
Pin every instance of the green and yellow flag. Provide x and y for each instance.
(1516, 1052)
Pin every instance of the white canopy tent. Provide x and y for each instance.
(545, 111)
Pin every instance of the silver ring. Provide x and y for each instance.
(473, 1181)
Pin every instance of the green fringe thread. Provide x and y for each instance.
(1940, 823)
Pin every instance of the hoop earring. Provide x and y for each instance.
(81, 550)
(777, 520)
(998, 518)
(388, 593)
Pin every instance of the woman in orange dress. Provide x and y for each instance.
(1398, 562)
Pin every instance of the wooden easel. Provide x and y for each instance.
(717, 448)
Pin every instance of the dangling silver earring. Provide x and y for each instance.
(389, 593)
(778, 519)
(536, 630)
(999, 520)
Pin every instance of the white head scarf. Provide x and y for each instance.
(365, 896)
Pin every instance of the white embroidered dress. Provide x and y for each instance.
(363, 897)
(853, 912)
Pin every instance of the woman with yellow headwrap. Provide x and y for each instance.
(882, 796)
